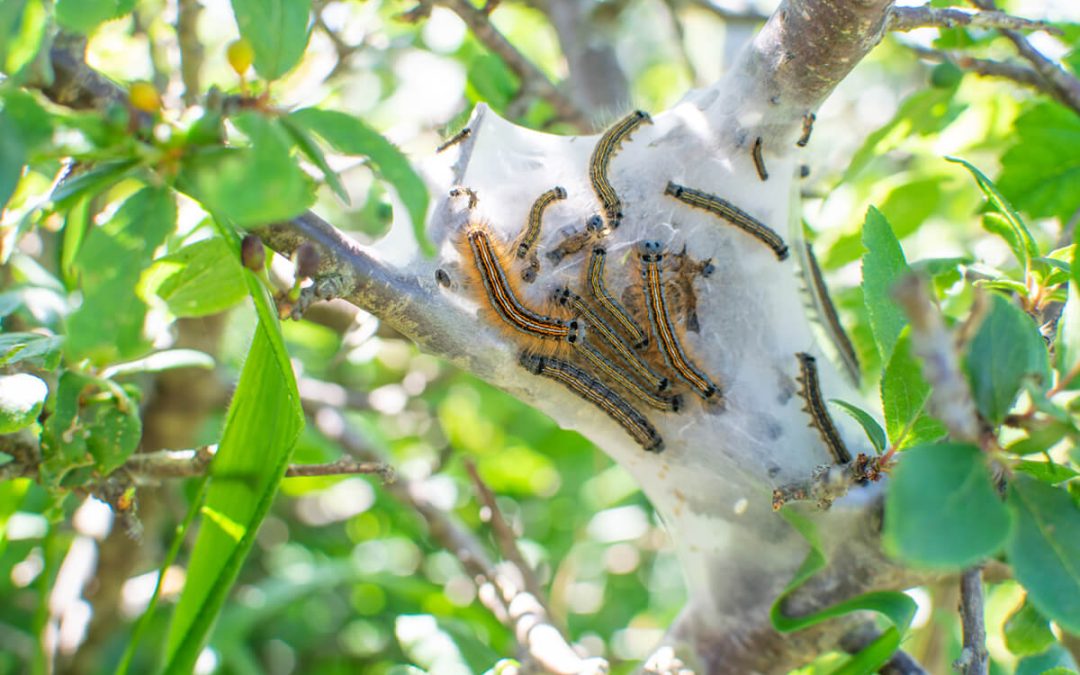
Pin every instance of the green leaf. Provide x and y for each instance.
(1028, 632)
(83, 16)
(263, 424)
(1047, 472)
(21, 398)
(198, 280)
(1006, 350)
(63, 437)
(161, 361)
(883, 265)
(114, 429)
(41, 351)
(1067, 345)
(1029, 249)
(109, 323)
(923, 113)
(995, 223)
(873, 430)
(23, 126)
(942, 510)
(1042, 436)
(491, 81)
(904, 397)
(349, 135)
(253, 185)
(1054, 661)
(1044, 549)
(23, 25)
(1041, 172)
(309, 147)
(897, 608)
(277, 30)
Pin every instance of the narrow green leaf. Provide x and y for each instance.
(160, 361)
(264, 422)
(198, 280)
(91, 182)
(1006, 350)
(897, 608)
(252, 185)
(83, 16)
(21, 398)
(882, 265)
(349, 135)
(1027, 632)
(277, 30)
(1041, 172)
(942, 510)
(109, 323)
(870, 425)
(904, 397)
(1027, 243)
(1042, 436)
(996, 223)
(309, 147)
(1044, 549)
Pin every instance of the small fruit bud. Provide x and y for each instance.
(144, 97)
(252, 253)
(307, 261)
(241, 55)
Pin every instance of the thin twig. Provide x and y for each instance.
(504, 533)
(1016, 72)
(191, 49)
(532, 78)
(829, 482)
(1063, 86)
(517, 608)
(902, 19)
(974, 659)
(934, 344)
(748, 16)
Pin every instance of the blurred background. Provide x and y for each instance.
(345, 575)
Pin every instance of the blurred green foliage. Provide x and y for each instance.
(136, 251)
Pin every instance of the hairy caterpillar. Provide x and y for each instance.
(807, 127)
(825, 305)
(731, 213)
(536, 213)
(819, 414)
(607, 302)
(597, 393)
(598, 164)
(651, 254)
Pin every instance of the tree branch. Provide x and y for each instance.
(1019, 74)
(504, 534)
(934, 344)
(533, 80)
(974, 659)
(903, 19)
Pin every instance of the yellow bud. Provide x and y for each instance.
(240, 54)
(144, 97)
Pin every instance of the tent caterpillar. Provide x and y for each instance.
(731, 213)
(759, 160)
(455, 139)
(605, 149)
(819, 414)
(835, 329)
(599, 293)
(536, 213)
(597, 393)
(651, 254)
(807, 127)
